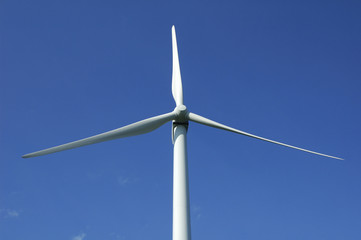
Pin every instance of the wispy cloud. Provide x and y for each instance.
(13, 213)
(122, 180)
(9, 213)
(81, 236)
(196, 211)
(115, 236)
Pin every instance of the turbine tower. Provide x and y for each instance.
(179, 117)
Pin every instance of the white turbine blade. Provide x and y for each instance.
(177, 89)
(202, 120)
(133, 129)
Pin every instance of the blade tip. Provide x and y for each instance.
(30, 155)
(338, 158)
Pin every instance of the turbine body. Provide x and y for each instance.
(180, 117)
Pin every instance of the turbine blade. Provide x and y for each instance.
(177, 89)
(202, 120)
(133, 129)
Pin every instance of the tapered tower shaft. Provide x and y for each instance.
(181, 215)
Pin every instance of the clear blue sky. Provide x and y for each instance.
(285, 70)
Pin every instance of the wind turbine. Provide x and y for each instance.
(180, 117)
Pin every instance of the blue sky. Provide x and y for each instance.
(285, 70)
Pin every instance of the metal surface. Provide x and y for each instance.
(202, 120)
(177, 89)
(181, 216)
(133, 129)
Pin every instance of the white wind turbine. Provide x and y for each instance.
(180, 117)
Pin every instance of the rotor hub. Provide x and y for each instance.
(181, 112)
